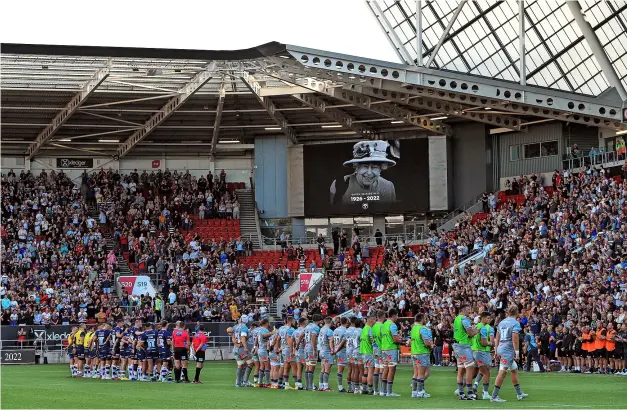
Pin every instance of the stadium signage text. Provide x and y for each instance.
(75, 163)
(17, 356)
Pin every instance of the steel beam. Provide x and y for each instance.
(597, 49)
(419, 47)
(398, 113)
(445, 32)
(336, 114)
(71, 107)
(166, 111)
(522, 70)
(389, 32)
(216, 123)
(450, 109)
(445, 85)
(269, 106)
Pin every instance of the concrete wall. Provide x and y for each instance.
(470, 168)
(438, 173)
(271, 176)
(295, 181)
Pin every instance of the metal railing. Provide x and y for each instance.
(573, 163)
(457, 211)
(409, 238)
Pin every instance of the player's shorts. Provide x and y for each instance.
(340, 358)
(286, 356)
(358, 358)
(180, 353)
(141, 354)
(152, 355)
(421, 360)
(70, 353)
(482, 358)
(92, 354)
(310, 358)
(610, 354)
(275, 359)
(326, 357)
(88, 352)
(464, 355)
(350, 356)
(263, 356)
(240, 354)
(508, 359)
(378, 358)
(125, 353)
(200, 356)
(116, 351)
(600, 353)
(368, 360)
(390, 357)
(80, 351)
(104, 354)
(579, 352)
(300, 356)
(165, 355)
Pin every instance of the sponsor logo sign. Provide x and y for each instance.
(75, 163)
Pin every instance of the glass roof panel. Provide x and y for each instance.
(484, 40)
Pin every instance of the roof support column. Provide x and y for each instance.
(445, 32)
(216, 123)
(597, 49)
(521, 42)
(419, 33)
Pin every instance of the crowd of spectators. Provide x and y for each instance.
(558, 252)
(56, 268)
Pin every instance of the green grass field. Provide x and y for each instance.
(50, 386)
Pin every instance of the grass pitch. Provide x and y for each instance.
(50, 386)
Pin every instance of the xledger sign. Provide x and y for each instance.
(75, 163)
(137, 285)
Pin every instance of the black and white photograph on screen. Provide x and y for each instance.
(366, 177)
(365, 183)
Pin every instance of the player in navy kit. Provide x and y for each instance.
(164, 343)
(140, 351)
(117, 349)
(134, 334)
(103, 343)
(507, 340)
(150, 338)
(126, 348)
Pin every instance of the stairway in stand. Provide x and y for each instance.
(248, 216)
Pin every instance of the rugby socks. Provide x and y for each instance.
(267, 372)
(177, 374)
(384, 386)
(420, 385)
(184, 373)
(460, 388)
(320, 380)
(486, 387)
(164, 373)
(325, 380)
(197, 376)
(238, 377)
(390, 382)
(375, 379)
(478, 378)
(339, 381)
(107, 371)
(517, 387)
(247, 374)
(131, 372)
(495, 392)
(364, 384)
(140, 373)
(299, 383)
(87, 371)
(281, 381)
(414, 385)
(469, 389)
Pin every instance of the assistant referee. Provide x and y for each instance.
(180, 339)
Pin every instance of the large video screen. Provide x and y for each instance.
(366, 177)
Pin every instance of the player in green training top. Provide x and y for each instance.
(481, 345)
(366, 341)
(421, 345)
(378, 358)
(463, 332)
(390, 339)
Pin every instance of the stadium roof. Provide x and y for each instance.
(111, 101)
(483, 39)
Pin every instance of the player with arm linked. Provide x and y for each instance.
(378, 357)
(150, 337)
(263, 334)
(240, 349)
(326, 353)
(311, 342)
(339, 345)
(71, 350)
(350, 352)
(421, 343)
(89, 349)
(463, 332)
(507, 340)
(254, 359)
(164, 344)
(390, 341)
(274, 349)
(286, 336)
(482, 344)
(117, 349)
(366, 350)
(299, 346)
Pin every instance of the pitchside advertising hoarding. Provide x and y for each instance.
(17, 356)
(368, 177)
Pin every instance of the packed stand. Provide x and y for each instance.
(558, 253)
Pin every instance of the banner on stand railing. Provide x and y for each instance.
(137, 285)
(305, 281)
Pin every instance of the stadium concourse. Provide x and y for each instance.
(463, 209)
